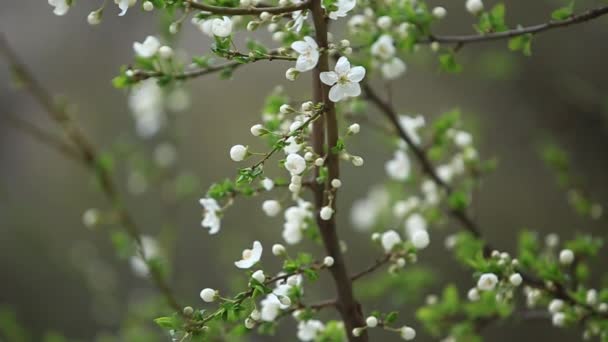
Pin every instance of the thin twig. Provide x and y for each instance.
(248, 10)
(89, 156)
(535, 29)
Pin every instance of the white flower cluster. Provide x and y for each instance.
(215, 27)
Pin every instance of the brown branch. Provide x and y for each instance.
(535, 29)
(557, 290)
(140, 75)
(373, 267)
(248, 10)
(89, 156)
(327, 132)
(44, 137)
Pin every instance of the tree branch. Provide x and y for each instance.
(249, 10)
(89, 156)
(327, 132)
(535, 29)
(557, 290)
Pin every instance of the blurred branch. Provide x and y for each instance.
(557, 290)
(248, 10)
(89, 156)
(43, 136)
(535, 29)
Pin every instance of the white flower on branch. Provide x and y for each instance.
(408, 333)
(150, 250)
(295, 164)
(343, 7)
(146, 104)
(411, 125)
(124, 5)
(487, 282)
(384, 47)
(238, 153)
(310, 329)
(259, 276)
(148, 48)
(399, 167)
(474, 6)
(308, 51)
(211, 219)
(221, 27)
(250, 256)
(271, 207)
(389, 240)
(267, 184)
(61, 6)
(392, 69)
(365, 211)
(344, 80)
(415, 228)
(208, 295)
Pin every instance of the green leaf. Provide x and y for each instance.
(448, 63)
(521, 43)
(564, 12)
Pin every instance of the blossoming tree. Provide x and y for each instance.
(438, 164)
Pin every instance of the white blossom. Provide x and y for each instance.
(328, 261)
(221, 27)
(516, 279)
(165, 52)
(310, 329)
(326, 213)
(354, 128)
(399, 167)
(463, 139)
(344, 80)
(308, 51)
(439, 12)
(566, 257)
(148, 6)
(292, 145)
(148, 48)
(250, 256)
(411, 125)
(295, 164)
(343, 7)
(555, 305)
(211, 219)
(389, 239)
(150, 250)
(392, 69)
(591, 297)
(415, 227)
(384, 22)
(278, 249)
(146, 104)
(473, 294)
(384, 47)
(259, 276)
(257, 130)
(271, 207)
(371, 322)
(474, 6)
(336, 183)
(559, 319)
(124, 5)
(94, 18)
(61, 6)
(365, 211)
(238, 153)
(402, 208)
(408, 333)
(267, 184)
(487, 282)
(208, 295)
(295, 222)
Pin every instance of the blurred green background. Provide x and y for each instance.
(56, 275)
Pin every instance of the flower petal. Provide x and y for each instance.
(342, 66)
(329, 77)
(356, 74)
(351, 89)
(336, 93)
(311, 42)
(300, 46)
